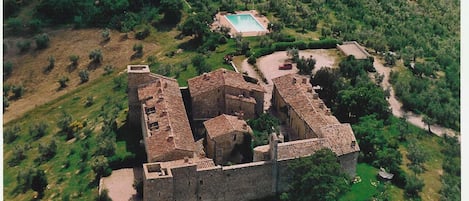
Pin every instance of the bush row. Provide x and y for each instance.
(301, 45)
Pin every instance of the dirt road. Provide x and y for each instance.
(396, 106)
(326, 58)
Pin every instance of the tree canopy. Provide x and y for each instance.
(317, 177)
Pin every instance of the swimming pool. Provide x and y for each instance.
(245, 23)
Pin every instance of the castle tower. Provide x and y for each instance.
(137, 75)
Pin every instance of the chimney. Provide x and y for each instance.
(321, 105)
(328, 112)
(160, 97)
(315, 96)
(304, 80)
(309, 90)
(169, 138)
(353, 143)
(206, 77)
(294, 81)
(240, 115)
(165, 84)
(245, 126)
(186, 159)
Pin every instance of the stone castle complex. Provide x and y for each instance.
(180, 168)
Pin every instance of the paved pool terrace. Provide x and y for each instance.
(246, 23)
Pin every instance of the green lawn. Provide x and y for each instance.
(364, 189)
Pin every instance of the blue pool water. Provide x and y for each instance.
(245, 23)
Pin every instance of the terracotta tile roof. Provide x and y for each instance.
(341, 138)
(225, 124)
(165, 116)
(299, 94)
(300, 148)
(218, 78)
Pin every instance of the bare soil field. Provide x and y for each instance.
(42, 87)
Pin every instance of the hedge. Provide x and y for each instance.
(301, 45)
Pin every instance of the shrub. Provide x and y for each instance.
(7, 68)
(15, 24)
(63, 82)
(74, 59)
(105, 34)
(119, 83)
(252, 60)
(23, 46)
(89, 101)
(64, 124)
(18, 91)
(108, 69)
(11, 133)
(35, 25)
(96, 56)
(47, 150)
(6, 103)
(84, 76)
(138, 49)
(19, 154)
(51, 60)
(142, 33)
(413, 186)
(100, 166)
(200, 64)
(42, 41)
(38, 130)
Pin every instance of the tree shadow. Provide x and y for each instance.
(71, 67)
(136, 56)
(93, 65)
(190, 45)
(131, 136)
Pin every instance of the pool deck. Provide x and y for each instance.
(220, 21)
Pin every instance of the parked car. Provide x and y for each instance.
(286, 66)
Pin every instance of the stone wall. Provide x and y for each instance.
(208, 104)
(349, 163)
(241, 182)
(220, 148)
(288, 116)
(136, 76)
(230, 183)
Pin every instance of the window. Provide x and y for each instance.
(234, 137)
(153, 125)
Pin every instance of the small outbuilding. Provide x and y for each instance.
(228, 139)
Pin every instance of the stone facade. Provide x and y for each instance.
(225, 135)
(166, 131)
(177, 172)
(225, 92)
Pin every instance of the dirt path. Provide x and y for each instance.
(269, 67)
(326, 58)
(119, 184)
(396, 106)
